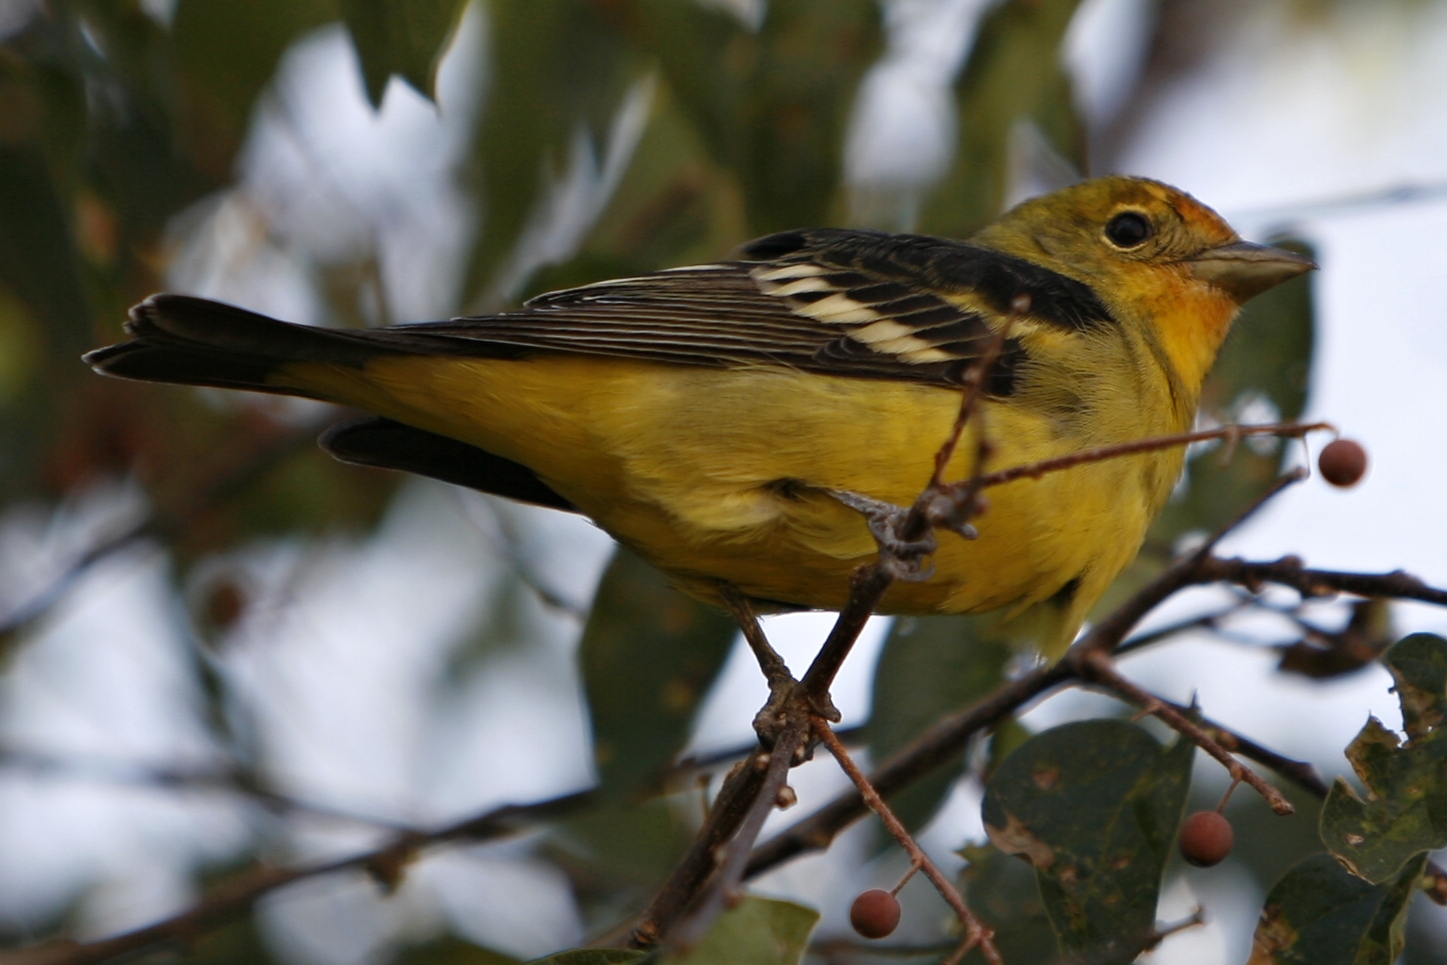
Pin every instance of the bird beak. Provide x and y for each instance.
(1244, 270)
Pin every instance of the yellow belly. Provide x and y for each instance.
(717, 474)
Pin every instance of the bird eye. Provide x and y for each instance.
(1128, 229)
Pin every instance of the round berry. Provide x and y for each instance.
(1206, 839)
(1342, 462)
(874, 914)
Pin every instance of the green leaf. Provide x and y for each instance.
(649, 654)
(1002, 891)
(228, 51)
(930, 666)
(1318, 914)
(402, 37)
(756, 931)
(771, 105)
(1094, 806)
(1405, 812)
(557, 69)
(627, 846)
(593, 956)
(451, 950)
(1419, 666)
(1013, 75)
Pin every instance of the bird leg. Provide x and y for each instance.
(785, 692)
(886, 521)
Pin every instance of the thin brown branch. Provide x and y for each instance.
(1300, 773)
(941, 743)
(1098, 668)
(730, 808)
(724, 891)
(979, 374)
(1034, 470)
(236, 896)
(976, 934)
(236, 781)
(1289, 571)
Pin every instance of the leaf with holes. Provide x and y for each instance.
(1318, 914)
(1405, 812)
(1094, 806)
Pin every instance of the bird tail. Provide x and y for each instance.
(195, 341)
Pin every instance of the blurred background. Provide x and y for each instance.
(218, 647)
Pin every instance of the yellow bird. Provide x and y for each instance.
(709, 416)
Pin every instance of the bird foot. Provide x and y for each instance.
(886, 521)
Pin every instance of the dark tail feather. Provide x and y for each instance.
(195, 341)
(391, 445)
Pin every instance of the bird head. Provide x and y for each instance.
(1154, 255)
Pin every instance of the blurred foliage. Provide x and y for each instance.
(1013, 77)
(114, 125)
(402, 37)
(1093, 806)
(649, 654)
(930, 667)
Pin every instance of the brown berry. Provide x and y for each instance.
(875, 913)
(1206, 839)
(1342, 462)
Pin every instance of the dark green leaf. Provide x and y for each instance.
(756, 931)
(1405, 812)
(649, 654)
(451, 950)
(402, 37)
(228, 51)
(930, 666)
(771, 105)
(558, 69)
(1013, 76)
(626, 846)
(1002, 890)
(1318, 914)
(1094, 806)
(593, 956)
(1419, 666)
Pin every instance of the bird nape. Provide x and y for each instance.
(709, 416)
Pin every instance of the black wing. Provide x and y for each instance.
(852, 303)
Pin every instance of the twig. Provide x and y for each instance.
(1098, 668)
(724, 892)
(1300, 773)
(730, 808)
(1289, 571)
(236, 897)
(975, 389)
(975, 932)
(941, 743)
(1034, 470)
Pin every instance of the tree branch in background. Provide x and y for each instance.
(237, 896)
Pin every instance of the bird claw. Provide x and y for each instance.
(904, 558)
